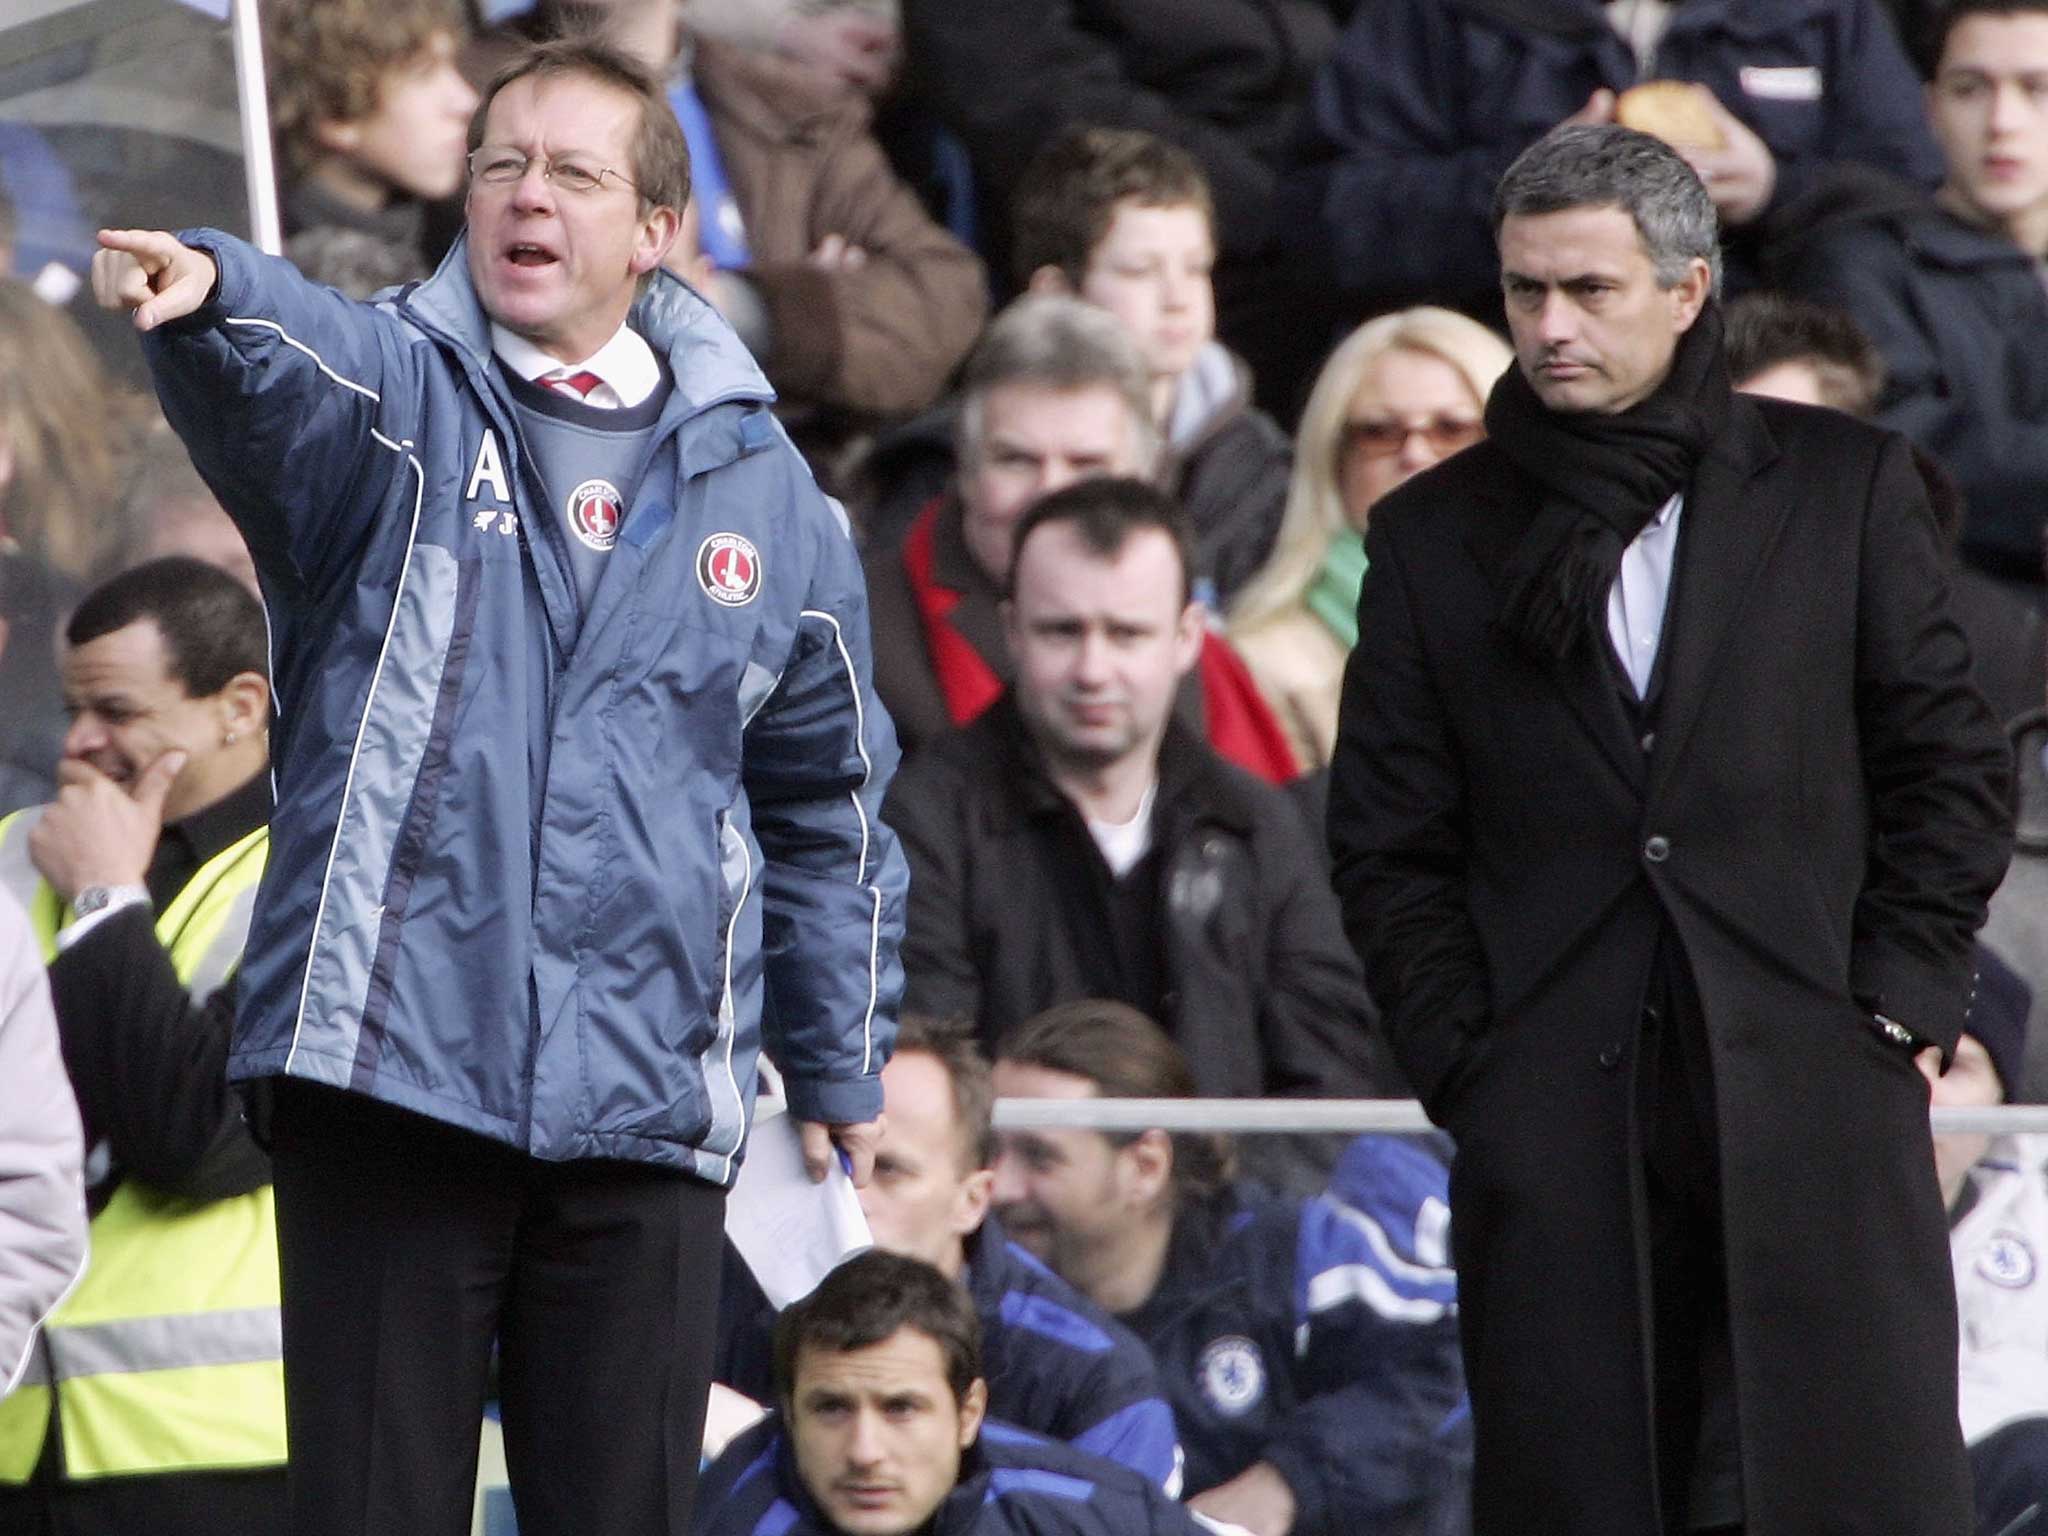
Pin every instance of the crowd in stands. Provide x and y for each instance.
(1108, 322)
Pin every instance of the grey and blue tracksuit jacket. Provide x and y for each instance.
(551, 875)
(1321, 1337)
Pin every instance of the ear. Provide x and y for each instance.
(1049, 280)
(338, 138)
(658, 231)
(971, 1202)
(1690, 294)
(1149, 1161)
(245, 705)
(973, 1409)
(1188, 631)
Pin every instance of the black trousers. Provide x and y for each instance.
(408, 1248)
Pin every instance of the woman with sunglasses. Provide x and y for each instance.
(1398, 394)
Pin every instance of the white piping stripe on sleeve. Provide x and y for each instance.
(1361, 1282)
(1376, 1239)
(318, 361)
(867, 770)
(376, 674)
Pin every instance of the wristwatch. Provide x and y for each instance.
(105, 898)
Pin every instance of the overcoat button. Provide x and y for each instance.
(1657, 849)
(1610, 1057)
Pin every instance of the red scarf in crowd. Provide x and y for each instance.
(1240, 723)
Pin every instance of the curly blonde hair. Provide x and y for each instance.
(325, 61)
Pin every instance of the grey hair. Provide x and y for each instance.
(1599, 165)
(1057, 343)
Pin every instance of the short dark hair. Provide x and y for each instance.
(661, 156)
(1766, 329)
(1603, 165)
(1126, 1056)
(1939, 25)
(213, 628)
(950, 1042)
(1106, 511)
(1068, 195)
(867, 1300)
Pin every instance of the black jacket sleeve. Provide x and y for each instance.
(149, 1064)
(924, 807)
(1399, 838)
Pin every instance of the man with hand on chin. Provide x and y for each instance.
(154, 1400)
(579, 768)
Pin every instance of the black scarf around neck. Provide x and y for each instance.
(1603, 478)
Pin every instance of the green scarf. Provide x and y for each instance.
(1332, 595)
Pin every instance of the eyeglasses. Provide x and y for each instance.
(500, 165)
(1383, 439)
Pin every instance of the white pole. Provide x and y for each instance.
(257, 170)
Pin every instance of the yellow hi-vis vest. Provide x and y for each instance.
(166, 1357)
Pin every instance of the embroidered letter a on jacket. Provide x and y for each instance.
(488, 469)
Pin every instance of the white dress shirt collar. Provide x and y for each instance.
(625, 364)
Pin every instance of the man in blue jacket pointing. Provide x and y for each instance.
(578, 764)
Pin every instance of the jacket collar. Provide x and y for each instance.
(706, 359)
(1193, 786)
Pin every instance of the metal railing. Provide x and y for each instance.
(1268, 1117)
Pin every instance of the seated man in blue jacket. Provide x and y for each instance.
(1055, 1363)
(1309, 1348)
(882, 1431)
(578, 771)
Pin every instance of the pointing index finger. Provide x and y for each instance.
(152, 247)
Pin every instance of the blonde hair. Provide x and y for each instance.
(1315, 509)
(65, 428)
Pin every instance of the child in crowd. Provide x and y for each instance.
(1124, 219)
(371, 118)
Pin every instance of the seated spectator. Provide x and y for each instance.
(1079, 841)
(1225, 80)
(1055, 1363)
(1950, 288)
(1310, 1347)
(1124, 220)
(1400, 393)
(1996, 1190)
(370, 117)
(882, 1431)
(1814, 354)
(1425, 103)
(857, 305)
(2018, 923)
(1055, 392)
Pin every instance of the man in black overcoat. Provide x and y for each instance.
(1663, 812)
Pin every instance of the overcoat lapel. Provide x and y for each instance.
(1726, 536)
(1584, 680)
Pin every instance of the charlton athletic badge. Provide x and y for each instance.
(729, 569)
(595, 514)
